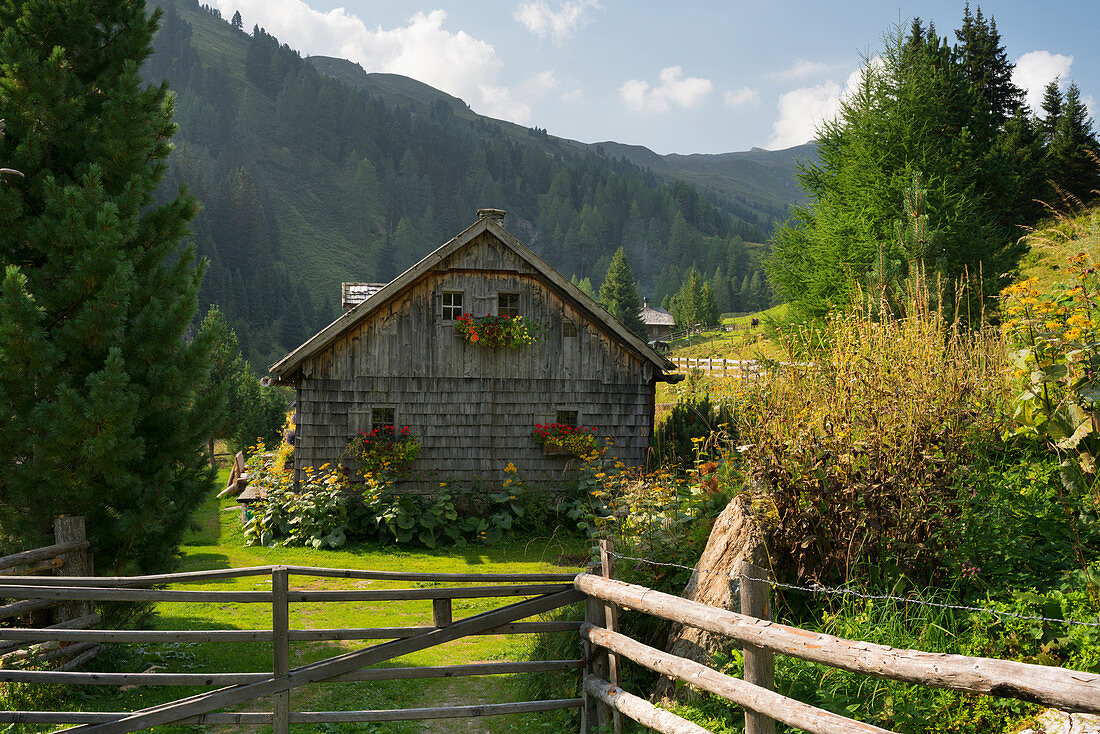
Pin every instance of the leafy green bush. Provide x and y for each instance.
(675, 439)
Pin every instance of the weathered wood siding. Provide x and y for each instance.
(473, 408)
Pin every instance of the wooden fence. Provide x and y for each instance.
(604, 702)
(544, 592)
(1067, 690)
(70, 555)
(737, 368)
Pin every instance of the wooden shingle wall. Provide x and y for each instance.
(473, 408)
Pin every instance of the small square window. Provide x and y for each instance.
(567, 417)
(382, 417)
(452, 305)
(568, 328)
(507, 304)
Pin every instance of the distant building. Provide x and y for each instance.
(352, 294)
(395, 358)
(658, 322)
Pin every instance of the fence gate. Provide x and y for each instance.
(541, 593)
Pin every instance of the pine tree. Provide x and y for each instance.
(619, 294)
(237, 22)
(106, 403)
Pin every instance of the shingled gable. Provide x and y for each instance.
(286, 367)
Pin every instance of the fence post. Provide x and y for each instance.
(611, 617)
(70, 529)
(441, 612)
(280, 629)
(595, 714)
(759, 663)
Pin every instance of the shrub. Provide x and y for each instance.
(862, 449)
(676, 439)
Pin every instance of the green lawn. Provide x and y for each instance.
(217, 542)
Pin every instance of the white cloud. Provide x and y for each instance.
(742, 96)
(802, 69)
(801, 111)
(1035, 70)
(572, 96)
(560, 23)
(674, 89)
(454, 62)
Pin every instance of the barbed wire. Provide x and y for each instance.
(819, 589)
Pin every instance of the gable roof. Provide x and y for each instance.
(656, 316)
(326, 336)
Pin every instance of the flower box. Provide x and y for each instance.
(497, 332)
(555, 450)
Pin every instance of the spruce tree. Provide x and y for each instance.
(1072, 153)
(913, 112)
(106, 402)
(619, 294)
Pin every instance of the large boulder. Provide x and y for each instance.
(735, 538)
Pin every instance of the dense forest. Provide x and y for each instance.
(307, 181)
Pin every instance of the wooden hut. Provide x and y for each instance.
(396, 357)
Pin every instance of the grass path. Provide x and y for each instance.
(218, 542)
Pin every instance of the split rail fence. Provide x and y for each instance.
(70, 555)
(1064, 689)
(604, 703)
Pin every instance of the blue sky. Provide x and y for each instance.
(688, 77)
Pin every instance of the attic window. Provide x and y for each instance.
(568, 328)
(567, 417)
(507, 304)
(383, 416)
(452, 305)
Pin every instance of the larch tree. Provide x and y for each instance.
(619, 294)
(106, 406)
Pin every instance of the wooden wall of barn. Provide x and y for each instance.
(473, 408)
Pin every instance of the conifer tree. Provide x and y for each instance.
(1072, 153)
(619, 294)
(106, 403)
(237, 22)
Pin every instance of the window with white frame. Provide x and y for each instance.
(452, 305)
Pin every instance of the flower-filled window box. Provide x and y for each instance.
(559, 439)
(385, 451)
(496, 332)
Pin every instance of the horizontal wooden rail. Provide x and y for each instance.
(779, 707)
(254, 597)
(84, 622)
(455, 578)
(639, 709)
(57, 633)
(19, 608)
(113, 582)
(303, 717)
(1067, 690)
(229, 679)
(42, 554)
